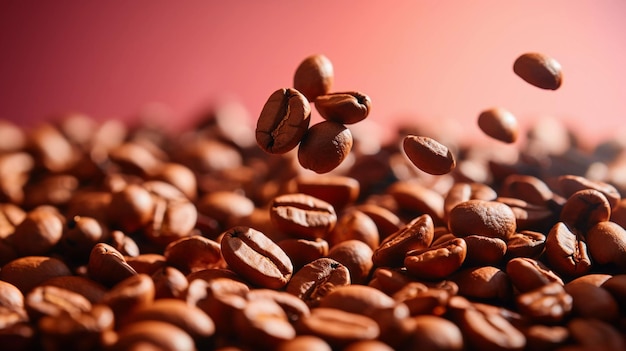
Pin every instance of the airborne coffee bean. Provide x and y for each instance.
(499, 124)
(539, 70)
(325, 146)
(428, 155)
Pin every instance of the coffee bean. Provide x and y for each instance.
(354, 225)
(54, 301)
(528, 274)
(528, 188)
(38, 233)
(91, 290)
(607, 244)
(10, 296)
(339, 191)
(153, 335)
(131, 293)
(569, 184)
(255, 257)
(194, 253)
(417, 234)
(263, 323)
(436, 333)
(525, 243)
(567, 252)
(590, 301)
(304, 343)
(484, 251)
(594, 333)
(325, 146)
(30, 271)
(337, 327)
(499, 124)
(488, 218)
(428, 154)
(584, 209)
(303, 216)
(344, 108)
(294, 307)
(436, 262)
(108, 266)
(487, 282)
(539, 70)
(283, 121)
(314, 76)
(169, 282)
(316, 279)
(463, 191)
(547, 304)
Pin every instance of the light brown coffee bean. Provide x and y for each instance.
(569, 184)
(528, 274)
(359, 299)
(547, 304)
(539, 70)
(339, 191)
(38, 233)
(255, 257)
(91, 290)
(316, 279)
(146, 263)
(303, 216)
(294, 307)
(356, 256)
(325, 146)
(415, 198)
(194, 253)
(132, 292)
(338, 328)
(107, 265)
(135, 158)
(178, 175)
(226, 207)
(283, 121)
(526, 243)
(591, 301)
(345, 107)
(529, 216)
(263, 323)
(479, 217)
(30, 271)
(131, 208)
(386, 221)
(51, 149)
(499, 124)
(545, 337)
(390, 280)
(169, 282)
(304, 343)
(314, 76)
(434, 333)
(485, 283)
(423, 300)
(463, 191)
(10, 296)
(526, 187)
(484, 251)
(607, 244)
(584, 209)
(428, 154)
(417, 234)
(354, 225)
(436, 262)
(566, 251)
(303, 251)
(81, 332)
(10, 216)
(153, 335)
(596, 334)
(54, 301)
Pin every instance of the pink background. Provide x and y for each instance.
(427, 61)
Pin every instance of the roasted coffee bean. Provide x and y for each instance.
(528, 188)
(169, 282)
(303, 216)
(484, 283)
(529, 216)
(10, 296)
(463, 191)
(91, 290)
(423, 300)
(263, 323)
(479, 217)
(339, 191)
(38, 233)
(584, 209)
(539, 70)
(294, 307)
(595, 334)
(147, 263)
(124, 244)
(54, 301)
(368, 345)
(386, 221)
(107, 265)
(338, 328)
(417, 234)
(304, 343)
(567, 251)
(283, 121)
(178, 175)
(30, 271)
(569, 184)
(255, 257)
(607, 244)
(131, 293)
(436, 262)
(131, 208)
(325, 146)
(81, 332)
(345, 107)
(591, 301)
(354, 225)
(303, 251)
(52, 151)
(316, 279)
(418, 199)
(528, 274)
(356, 256)
(525, 243)
(81, 234)
(314, 76)
(543, 337)
(153, 335)
(432, 333)
(499, 124)
(546, 304)
(194, 253)
(428, 154)
(10, 216)
(484, 251)
(226, 207)
(135, 158)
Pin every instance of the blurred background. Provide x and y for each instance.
(421, 62)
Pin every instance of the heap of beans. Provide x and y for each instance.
(300, 237)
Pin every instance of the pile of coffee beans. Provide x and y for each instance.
(299, 237)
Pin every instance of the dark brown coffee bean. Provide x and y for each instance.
(528, 188)
(91, 290)
(428, 154)
(124, 244)
(545, 337)
(132, 292)
(529, 216)
(303, 216)
(303, 251)
(567, 185)
(418, 199)
(591, 301)
(226, 207)
(316, 279)
(81, 234)
(386, 221)
(595, 334)
(178, 175)
(30, 271)
(169, 282)
(147, 263)
(81, 332)
(339, 191)
(304, 343)
(337, 327)
(38, 233)
(292, 305)
(526, 243)
(345, 107)
(131, 208)
(417, 234)
(283, 121)
(135, 158)
(153, 335)
(263, 323)
(436, 262)
(194, 253)
(421, 299)
(55, 190)
(547, 304)
(567, 251)
(584, 209)
(432, 333)
(54, 301)
(356, 256)
(607, 244)
(487, 218)
(499, 124)
(539, 70)
(528, 274)
(325, 146)
(314, 76)
(256, 258)
(616, 285)
(108, 266)
(463, 191)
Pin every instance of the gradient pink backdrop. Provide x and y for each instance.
(427, 61)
